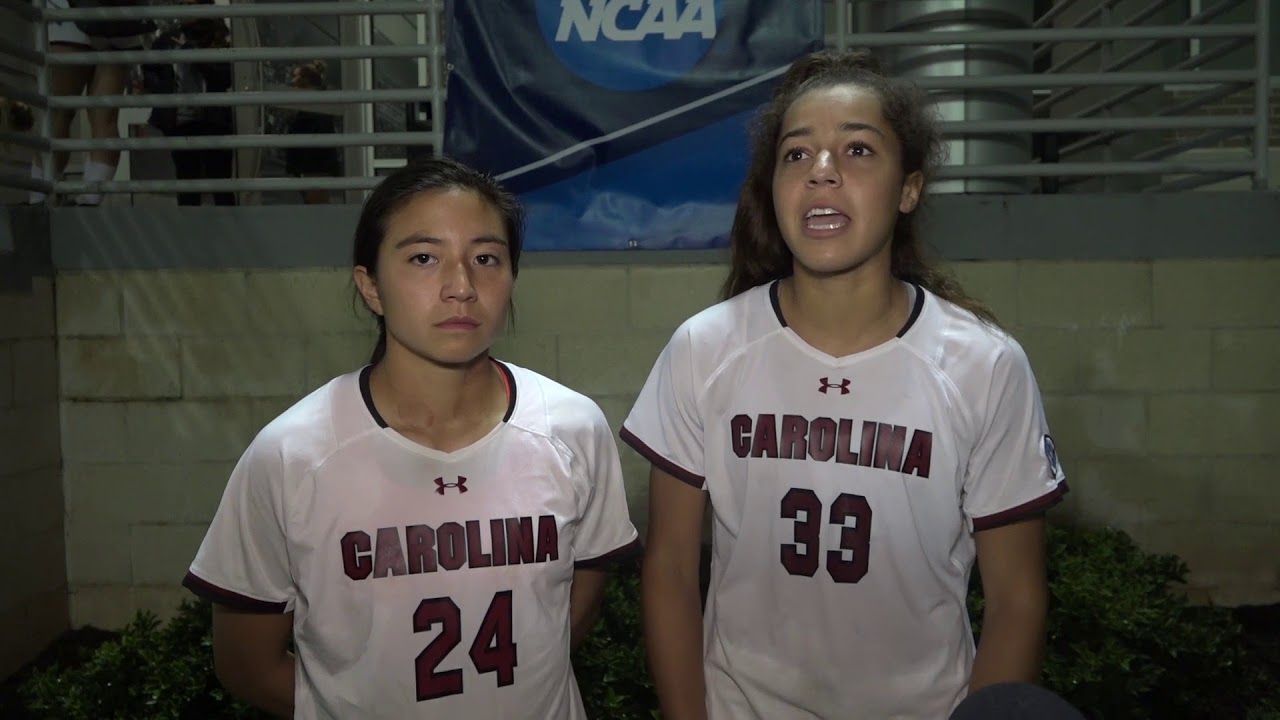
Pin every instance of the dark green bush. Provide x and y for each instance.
(1123, 643)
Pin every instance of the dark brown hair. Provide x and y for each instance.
(758, 253)
(419, 176)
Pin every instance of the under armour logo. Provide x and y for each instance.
(461, 485)
(826, 384)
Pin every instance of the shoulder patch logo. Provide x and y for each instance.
(1051, 457)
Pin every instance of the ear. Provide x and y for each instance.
(367, 286)
(911, 188)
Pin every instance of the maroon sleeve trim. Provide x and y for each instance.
(233, 600)
(613, 557)
(661, 462)
(1022, 512)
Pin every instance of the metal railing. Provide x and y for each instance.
(1123, 118)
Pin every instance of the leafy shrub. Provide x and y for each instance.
(150, 672)
(1123, 642)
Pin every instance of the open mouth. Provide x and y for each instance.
(825, 219)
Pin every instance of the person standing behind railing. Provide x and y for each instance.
(188, 121)
(311, 161)
(98, 80)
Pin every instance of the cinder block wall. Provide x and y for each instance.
(33, 592)
(1162, 382)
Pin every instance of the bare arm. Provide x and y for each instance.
(1011, 560)
(252, 660)
(671, 601)
(586, 595)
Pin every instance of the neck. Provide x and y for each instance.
(442, 406)
(845, 313)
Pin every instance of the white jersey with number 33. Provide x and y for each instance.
(845, 492)
(423, 584)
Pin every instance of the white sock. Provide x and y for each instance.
(95, 171)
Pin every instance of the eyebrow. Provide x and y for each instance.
(844, 127)
(418, 238)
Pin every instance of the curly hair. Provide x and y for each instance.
(758, 253)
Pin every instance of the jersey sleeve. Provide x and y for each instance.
(665, 425)
(1013, 471)
(605, 533)
(243, 561)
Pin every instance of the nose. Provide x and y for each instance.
(458, 285)
(823, 171)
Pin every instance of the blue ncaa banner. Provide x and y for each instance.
(620, 123)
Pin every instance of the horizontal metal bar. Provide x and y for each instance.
(1083, 52)
(17, 179)
(1186, 105)
(233, 99)
(245, 54)
(21, 139)
(1095, 124)
(201, 142)
(1188, 66)
(17, 68)
(365, 183)
(244, 10)
(14, 92)
(1191, 183)
(1053, 12)
(22, 53)
(1033, 81)
(1081, 21)
(988, 37)
(221, 185)
(1181, 146)
(24, 10)
(1100, 169)
(1141, 51)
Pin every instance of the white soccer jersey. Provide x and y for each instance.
(844, 494)
(423, 584)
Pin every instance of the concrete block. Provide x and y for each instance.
(30, 438)
(1120, 359)
(1244, 490)
(136, 493)
(48, 616)
(6, 374)
(1246, 359)
(120, 368)
(1127, 492)
(1217, 293)
(35, 498)
(45, 562)
(1214, 424)
(572, 299)
(88, 304)
(615, 408)
(109, 607)
(1068, 294)
(1096, 425)
(995, 284)
(35, 372)
(94, 432)
(163, 600)
(162, 553)
(235, 368)
(191, 430)
(663, 297)
(305, 302)
(535, 351)
(328, 356)
(1238, 567)
(189, 303)
(28, 314)
(98, 552)
(609, 364)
